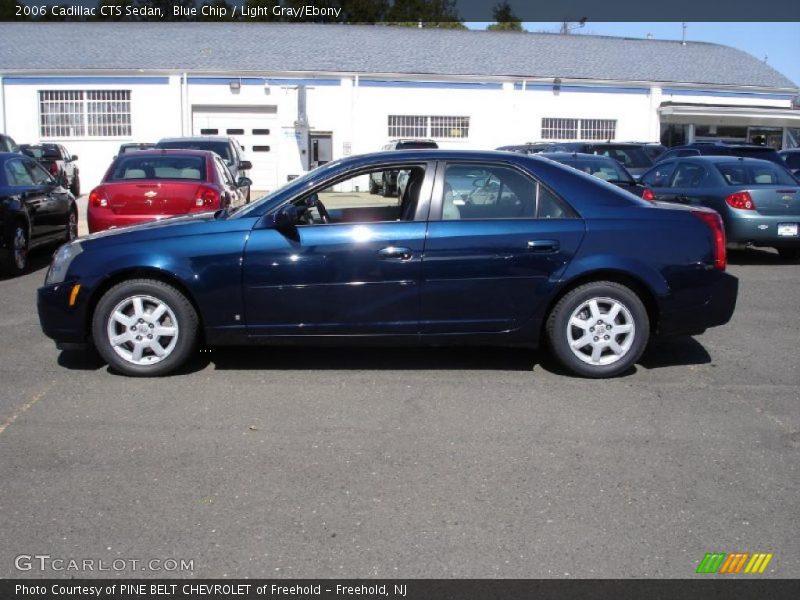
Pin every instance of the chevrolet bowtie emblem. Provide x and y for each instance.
(150, 194)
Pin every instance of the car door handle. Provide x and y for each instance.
(543, 246)
(396, 253)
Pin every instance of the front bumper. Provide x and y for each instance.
(59, 321)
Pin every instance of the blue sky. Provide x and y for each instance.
(779, 42)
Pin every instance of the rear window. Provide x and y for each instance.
(39, 152)
(607, 170)
(223, 149)
(744, 174)
(631, 157)
(416, 145)
(128, 168)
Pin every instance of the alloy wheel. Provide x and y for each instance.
(601, 331)
(142, 330)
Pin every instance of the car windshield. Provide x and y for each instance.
(223, 149)
(631, 157)
(134, 167)
(750, 174)
(607, 170)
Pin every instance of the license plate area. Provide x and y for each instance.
(787, 229)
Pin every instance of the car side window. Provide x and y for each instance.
(688, 175)
(17, 174)
(659, 175)
(38, 174)
(496, 192)
(223, 172)
(350, 201)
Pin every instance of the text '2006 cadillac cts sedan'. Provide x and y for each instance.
(483, 248)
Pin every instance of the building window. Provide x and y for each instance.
(90, 113)
(579, 129)
(415, 126)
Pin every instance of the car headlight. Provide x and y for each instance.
(61, 262)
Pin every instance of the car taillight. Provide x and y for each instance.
(741, 200)
(714, 222)
(206, 198)
(648, 194)
(97, 199)
(53, 169)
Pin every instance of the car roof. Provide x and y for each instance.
(172, 152)
(197, 138)
(584, 155)
(716, 158)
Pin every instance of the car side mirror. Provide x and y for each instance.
(245, 165)
(244, 182)
(286, 217)
(74, 157)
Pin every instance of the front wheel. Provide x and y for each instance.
(144, 328)
(599, 329)
(75, 188)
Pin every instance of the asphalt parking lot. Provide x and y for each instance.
(408, 463)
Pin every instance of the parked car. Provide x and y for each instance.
(386, 182)
(791, 159)
(723, 149)
(134, 147)
(602, 167)
(154, 184)
(34, 210)
(59, 163)
(653, 150)
(541, 253)
(226, 147)
(759, 201)
(7, 144)
(632, 156)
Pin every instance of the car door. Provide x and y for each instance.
(686, 185)
(54, 209)
(357, 274)
(496, 235)
(33, 197)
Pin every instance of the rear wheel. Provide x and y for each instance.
(72, 226)
(16, 258)
(599, 329)
(75, 188)
(373, 187)
(386, 191)
(790, 254)
(145, 327)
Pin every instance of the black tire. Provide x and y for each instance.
(386, 190)
(187, 325)
(75, 188)
(559, 329)
(71, 232)
(373, 187)
(789, 254)
(15, 259)
(247, 201)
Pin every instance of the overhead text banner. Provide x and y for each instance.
(401, 11)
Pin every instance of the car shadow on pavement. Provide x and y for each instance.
(38, 259)
(674, 352)
(757, 256)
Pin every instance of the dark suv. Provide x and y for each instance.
(59, 163)
(227, 148)
(721, 149)
(791, 159)
(386, 182)
(632, 155)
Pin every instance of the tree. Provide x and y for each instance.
(505, 19)
(440, 14)
(8, 11)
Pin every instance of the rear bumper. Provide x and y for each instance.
(717, 309)
(761, 230)
(109, 220)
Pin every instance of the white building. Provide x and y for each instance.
(94, 86)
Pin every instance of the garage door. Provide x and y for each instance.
(254, 127)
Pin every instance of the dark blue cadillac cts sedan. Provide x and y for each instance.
(487, 248)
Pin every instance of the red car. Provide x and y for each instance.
(156, 184)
